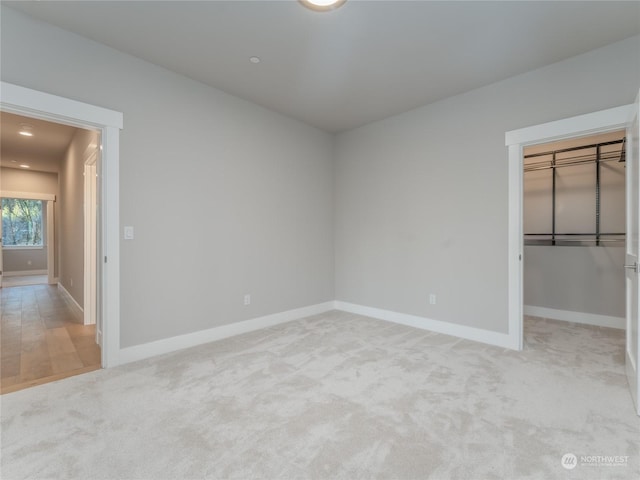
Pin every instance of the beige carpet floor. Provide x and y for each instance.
(338, 396)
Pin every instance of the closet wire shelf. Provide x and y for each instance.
(597, 238)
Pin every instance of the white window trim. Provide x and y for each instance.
(45, 197)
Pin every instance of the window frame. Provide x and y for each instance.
(43, 226)
(47, 199)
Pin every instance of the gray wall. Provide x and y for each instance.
(421, 198)
(72, 215)
(24, 260)
(226, 197)
(229, 198)
(17, 180)
(576, 279)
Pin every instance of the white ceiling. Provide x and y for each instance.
(42, 152)
(363, 62)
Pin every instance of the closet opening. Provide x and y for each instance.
(574, 230)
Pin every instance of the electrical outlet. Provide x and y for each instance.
(247, 299)
(432, 298)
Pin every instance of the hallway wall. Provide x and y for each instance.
(72, 214)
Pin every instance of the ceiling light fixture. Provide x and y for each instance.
(26, 130)
(254, 59)
(24, 166)
(322, 5)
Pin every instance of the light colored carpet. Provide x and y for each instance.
(337, 396)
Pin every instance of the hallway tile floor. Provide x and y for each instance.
(41, 340)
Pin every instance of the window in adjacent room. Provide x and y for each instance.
(22, 224)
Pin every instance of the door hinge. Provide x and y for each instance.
(105, 259)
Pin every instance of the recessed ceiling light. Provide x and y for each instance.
(254, 59)
(26, 130)
(22, 165)
(322, 5)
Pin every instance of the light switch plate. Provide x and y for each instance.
(128, 233)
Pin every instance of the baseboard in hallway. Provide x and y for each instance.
(23, 280)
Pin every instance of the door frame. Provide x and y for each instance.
(41, 105)
(631, 257)
(90, 237)
(602, 121)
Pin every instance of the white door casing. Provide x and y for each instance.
(609, 120)
(90, 235)
(51, 251)
(632, 355)
(1, 252)
(36, 104)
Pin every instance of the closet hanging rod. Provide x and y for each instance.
(560, 163)
(573, 149)
(569, 242)
(614, 154)
(573, 234)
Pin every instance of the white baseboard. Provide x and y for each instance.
(77, 310)
(576, 317)
(24, 273)
(167, 345)
(470, 333)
